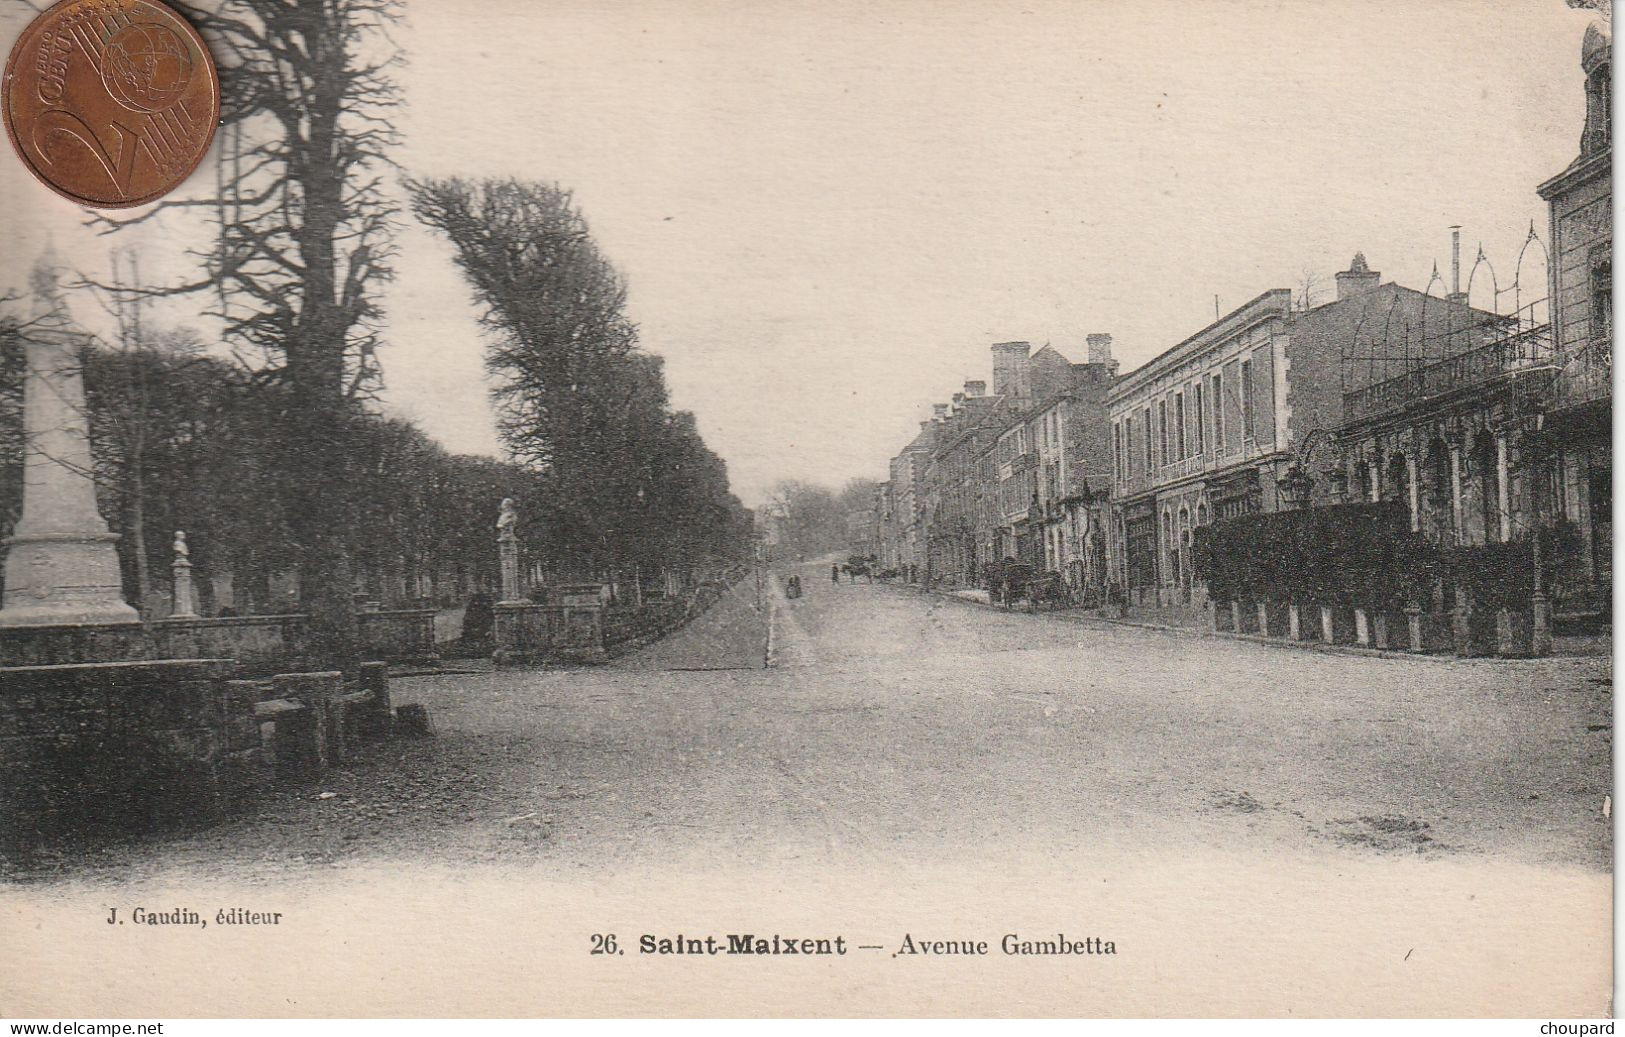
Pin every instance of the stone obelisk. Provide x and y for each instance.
(61, 564)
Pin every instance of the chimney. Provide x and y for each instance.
(1010, 373)
(1357, 280)
(1456, 294)
(939, 411)
(1099, 349)
(959, 400)
(976, 388)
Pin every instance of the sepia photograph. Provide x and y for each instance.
(757, 509)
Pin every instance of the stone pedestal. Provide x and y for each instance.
(61, 564)
(185, 606)
(508, 562)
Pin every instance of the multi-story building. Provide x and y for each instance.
(1046, 396)
(903, 534)
(863, 533)
(956, 502)
(1505, 426)
(1578, 421)
(1209, 429)
(1072, 439)
(954, 515)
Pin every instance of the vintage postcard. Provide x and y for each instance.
(755, 508)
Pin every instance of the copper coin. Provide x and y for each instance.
(111, 103)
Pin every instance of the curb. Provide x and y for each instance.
(770, 650)
(1272, 642)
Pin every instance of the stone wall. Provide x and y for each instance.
(398, 635)
(257, 644)
(548, 633)
(123, 747)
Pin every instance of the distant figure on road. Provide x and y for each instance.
(835, 573)
(793, 587)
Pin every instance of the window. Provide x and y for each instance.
(1117, 451)
(1201, 419)
(1162, 429)
(1246, 400)
(1179, 427)
(1150, 462)
(1218, 411)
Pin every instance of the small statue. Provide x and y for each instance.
(507, 520)
(182, 552)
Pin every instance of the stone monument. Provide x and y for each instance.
(62, 567)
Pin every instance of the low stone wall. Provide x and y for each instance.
(125, 747)
(137, 747)
(526, 632)
(1466, 632)
(398, 636)
(258, 644)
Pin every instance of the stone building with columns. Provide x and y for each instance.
(1577, 421)
(1211, 427)
(1503, 426)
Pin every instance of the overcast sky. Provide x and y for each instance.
(826, 212)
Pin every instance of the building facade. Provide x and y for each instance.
(1199, 432)
(1577, 424)
(1211, 428)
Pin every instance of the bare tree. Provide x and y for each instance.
(1310, 286)
(305, 239)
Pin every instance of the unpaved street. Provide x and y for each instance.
(905, 725)
(1259, 826)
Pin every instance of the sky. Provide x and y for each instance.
(827, 212)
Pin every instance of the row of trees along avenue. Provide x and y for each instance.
(306, 214)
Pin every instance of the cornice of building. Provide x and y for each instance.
(1273, 304)
(1582, 170)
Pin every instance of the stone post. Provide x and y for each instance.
(1540, 637)
(1413, 623)
(1503, 492)
(1413, 485)
(1462, 624)
(185, 607)
(61, 565)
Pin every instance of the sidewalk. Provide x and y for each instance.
(1193, 620)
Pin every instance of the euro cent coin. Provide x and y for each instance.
(111, 103)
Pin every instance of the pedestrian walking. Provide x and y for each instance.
(835, 574)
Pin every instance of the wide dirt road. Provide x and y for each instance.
(1271, 829)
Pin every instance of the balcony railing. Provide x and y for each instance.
(1465, 370)
(1587, 375)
